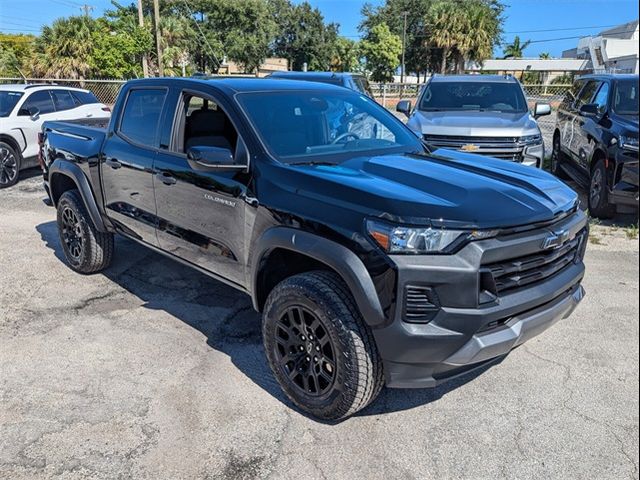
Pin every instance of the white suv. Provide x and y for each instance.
(23, 109)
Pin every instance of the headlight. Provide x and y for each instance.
(629, 143)
(531, 139)
(416, 240)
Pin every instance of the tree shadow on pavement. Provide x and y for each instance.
(224, 315)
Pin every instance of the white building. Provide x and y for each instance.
(614, 50)
(547, 69)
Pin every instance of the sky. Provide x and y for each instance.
(526, 18)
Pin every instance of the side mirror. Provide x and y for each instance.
(404, 106)
(590, 110)
(34, 113)
(541, 109)
(212, 158)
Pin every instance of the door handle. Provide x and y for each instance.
(166, 178)
(113, 163)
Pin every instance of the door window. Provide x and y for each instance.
(63, 100)
(602, 97)
(572, 94)
(587, 93)
(205, 124)
(40, 100)
(141, 115)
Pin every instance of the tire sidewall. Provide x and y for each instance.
(18, 158)
(69, 200)
(603, 208)
(293, 295)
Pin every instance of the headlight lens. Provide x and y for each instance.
(629, 142)
(416, 240)
(531, 139)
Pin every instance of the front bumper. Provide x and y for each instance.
(625, 188)
(467, 331)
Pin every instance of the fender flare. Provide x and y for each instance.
(75, 173)
(342, 260)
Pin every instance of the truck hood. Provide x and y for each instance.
(473, 124)
(447, 188)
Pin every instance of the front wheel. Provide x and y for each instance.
(9, 165)
(320, 350)
(599, 205)
(86, 249)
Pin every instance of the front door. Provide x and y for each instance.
(127, 165)
(201, 210)
(580, 143)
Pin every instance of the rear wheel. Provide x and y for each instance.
(599, 205)
(557, 159)
(9, 165)
(320, 350)
(86, 249)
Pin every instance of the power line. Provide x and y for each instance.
(213, 55)
(561, 29)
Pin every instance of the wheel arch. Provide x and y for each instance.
(64, 176)
(282, 252)
(9, 139)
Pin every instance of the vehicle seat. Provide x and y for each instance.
(293, 131)
(206, 128)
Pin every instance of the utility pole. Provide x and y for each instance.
(156, 15)
(86, 9)
(145, 64)
(404, 43)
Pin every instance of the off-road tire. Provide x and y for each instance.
(599, 205)
(86, 249)
(557, 159)
(10, 160)
(358, 376)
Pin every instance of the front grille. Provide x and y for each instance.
(421, 304)
(500, 277)
(506, 148)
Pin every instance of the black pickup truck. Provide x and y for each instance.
(372, 260)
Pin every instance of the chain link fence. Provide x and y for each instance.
(105, 90)
(389, 94)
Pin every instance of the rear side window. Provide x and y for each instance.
(63, 100)
(141, 116)
(40, 100)
(84, 98)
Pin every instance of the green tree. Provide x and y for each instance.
(9, 63)
(381, 50)
(303, 36)
(545, 55)
(516, 48)
(346, 57)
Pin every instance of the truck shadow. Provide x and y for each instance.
(224, 316)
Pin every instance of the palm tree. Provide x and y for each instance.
(516, 49)
(545, 56)
(480, 28)
(65, 48)
(444, 22)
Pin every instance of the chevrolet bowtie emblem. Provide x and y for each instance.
(469, 147)
(555, 239)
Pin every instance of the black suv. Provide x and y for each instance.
(596, 141)
(372, 259)
(353, 81)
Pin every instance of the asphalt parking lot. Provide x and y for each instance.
(153, 371)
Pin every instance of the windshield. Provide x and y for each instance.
(8, 100)
(625, 101)
(298, 125)
(479, 96)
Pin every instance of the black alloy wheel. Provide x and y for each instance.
(9, 167)
(305, 351)
(72, 233)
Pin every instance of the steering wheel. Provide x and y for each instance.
(345, 135)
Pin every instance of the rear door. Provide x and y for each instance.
(201, 210)
(579, 141)
(127, 163)
(70, 107)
